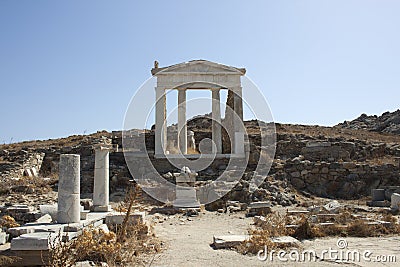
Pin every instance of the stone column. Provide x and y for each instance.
(238, 135)
(69, 208)
(216, 121)
(161, 122)
(101, 179)
(238, 107)
(182, 127)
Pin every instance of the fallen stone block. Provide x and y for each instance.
(33, 228)
(18, 208)
(3, 238)
(286, 240)
(44, 219)
(118, 217)
(86, 264)
(378, 194)
(34, 241)
(68, 236)
(261, 204)
(84, 214)
(259, 208)
(49, 209)
(381, 204)
(229, 241)
(297, 212)
(332, 206)
(395, 202)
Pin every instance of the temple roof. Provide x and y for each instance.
(199, 66)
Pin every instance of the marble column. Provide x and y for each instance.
(101, 179)
(69, 208)
(239, 131)
(182, 127)
(216, 121)
(161, 122)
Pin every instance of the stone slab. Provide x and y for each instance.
(228, 241)
(260, 205)
(118, 217)
(33, 228)
(378, 203)
(186, 203)
(287, 240)
(185, 179)
(44, 219)
(105, 208)
(34, 241)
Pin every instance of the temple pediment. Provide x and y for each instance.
(197, 67)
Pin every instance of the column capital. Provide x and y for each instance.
(236, 88)
(102, 147)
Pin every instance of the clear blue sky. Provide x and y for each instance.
(69, 67)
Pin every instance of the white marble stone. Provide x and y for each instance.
(229, 241)
(182, 127)
(69, 208)
(239, 143)
(118, 217)
(69, 189)
(3, 238)
(216, 121)
(395, 201)
(161, 122)
(101, 179)
(34, 241)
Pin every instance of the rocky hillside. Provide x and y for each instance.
(388, 122)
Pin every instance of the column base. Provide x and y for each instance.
(106, 208)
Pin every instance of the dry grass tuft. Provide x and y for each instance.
(273, 226)
(121, 246)
(8, 222)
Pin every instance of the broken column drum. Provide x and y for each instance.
(101, 179)
(69, 189)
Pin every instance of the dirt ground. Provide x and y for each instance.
(188, 239)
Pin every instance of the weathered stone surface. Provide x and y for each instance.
(44, 219)
(395, 202)
(101, 178)
(378, 194)
(332, 206)
(286, 240)
(69, 189)
(3, 238)
(118, 217)
(34, 227)
(229, 241)
(34, 241)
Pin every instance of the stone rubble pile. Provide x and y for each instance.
(388, 122)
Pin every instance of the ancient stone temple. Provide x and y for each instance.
(200, 75)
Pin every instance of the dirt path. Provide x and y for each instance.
(188, 243)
